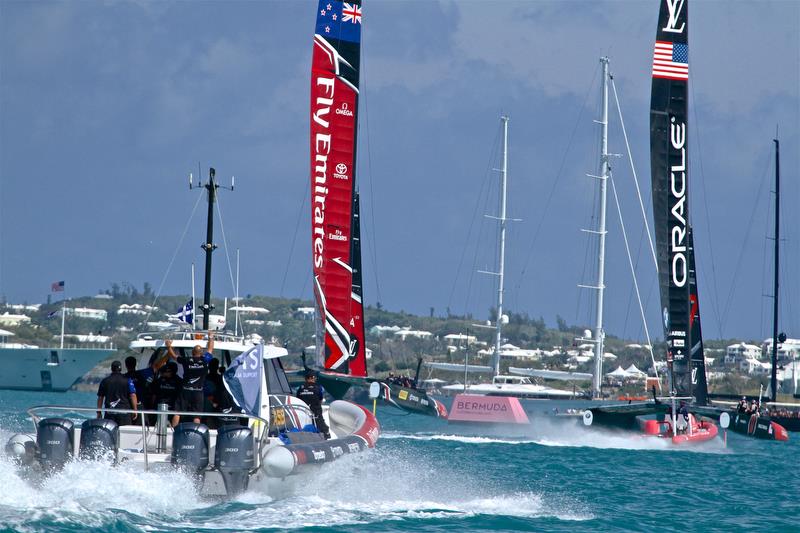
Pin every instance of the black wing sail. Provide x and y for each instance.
(698, 360)
(668, 163)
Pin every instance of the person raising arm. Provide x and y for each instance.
(195, 371)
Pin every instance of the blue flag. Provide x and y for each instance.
(185, 313)
(243, 379)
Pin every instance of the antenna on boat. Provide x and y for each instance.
(211, 187)
(194, 300)
(236, 325)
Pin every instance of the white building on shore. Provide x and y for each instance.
(461, 338)
(741, 351)
(406, 332)
(787, 350)
(12, 319)
(87, 312)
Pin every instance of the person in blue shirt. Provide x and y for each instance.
(195, 371)
(117, 392)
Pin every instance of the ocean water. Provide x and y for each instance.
(428, 476)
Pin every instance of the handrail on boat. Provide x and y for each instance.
(261, 426)
(188, 334)
(258, 437)
(277, 414)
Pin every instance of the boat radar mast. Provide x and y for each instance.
(211, 187)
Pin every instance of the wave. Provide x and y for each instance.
(544, 434)
(376, 487)
(466, 439)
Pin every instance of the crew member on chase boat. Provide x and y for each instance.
(117, 392)
(195, 370)
(312, 394)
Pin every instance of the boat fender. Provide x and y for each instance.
(99, 438)
(21, 448)
(588, 417)
(282, 461)
(54, 443)
(279, 462)
(234, 457)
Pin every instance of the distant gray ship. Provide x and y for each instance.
(46, 369)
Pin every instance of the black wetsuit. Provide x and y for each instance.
(195, 370)
(312, 394)
(116, 389)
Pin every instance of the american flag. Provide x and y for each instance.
(671, 61)
(57, 286)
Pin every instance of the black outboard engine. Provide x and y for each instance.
(234, 457)
(54, 442)
(190, 447)
(99, 438)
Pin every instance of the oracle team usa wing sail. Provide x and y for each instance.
(669, 172)
(333, 119)
(697, 354)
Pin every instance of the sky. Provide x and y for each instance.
(106, 107)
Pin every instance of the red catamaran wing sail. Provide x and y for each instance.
(334, 106)
(669, 167)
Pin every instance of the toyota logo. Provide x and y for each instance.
(341, 168)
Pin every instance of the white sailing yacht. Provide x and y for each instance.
(503, 385)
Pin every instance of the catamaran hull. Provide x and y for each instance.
(621, 416)
(405, 398)
(760, 427)
(412, 400)
(788, 423)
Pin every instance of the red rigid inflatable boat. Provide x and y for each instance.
(696, 430)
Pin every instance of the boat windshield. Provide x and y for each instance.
(277, 383)
(511, 380)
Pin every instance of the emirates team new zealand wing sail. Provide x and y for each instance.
(358, 347)
(334, 109)
(669, 172)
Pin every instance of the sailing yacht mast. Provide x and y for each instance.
(500, 273)
(774, 377)
(599, 334)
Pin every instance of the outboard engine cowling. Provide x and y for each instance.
(99, 438)
(54, 442)
(190, 446)
(234, 457)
